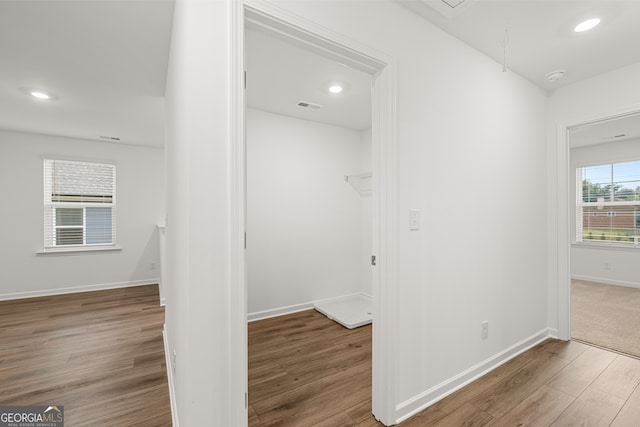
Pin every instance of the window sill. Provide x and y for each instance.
(78, 250)
(612, 246)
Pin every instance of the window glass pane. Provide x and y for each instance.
(612, 223)
(626, 180)
(596, 183)
(617, 221)
(68, 236)
(98, 225)
(68, 216)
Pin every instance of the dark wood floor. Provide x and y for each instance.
(306, 370)
(99, 354)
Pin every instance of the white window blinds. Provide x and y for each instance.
(79, 203)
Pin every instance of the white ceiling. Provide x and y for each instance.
(540, 34)
(106, 60)
(540, 39)
(606, 132)
(279, 74)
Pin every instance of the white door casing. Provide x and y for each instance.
(269, 18)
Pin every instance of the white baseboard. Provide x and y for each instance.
(428, 397)
(606, 281)
(554, 333)
(170, 379)
(281, 311)
(71, 290)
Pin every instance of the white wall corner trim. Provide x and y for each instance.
(238, 352)
(553, 333)
(563, 270)
(606, 281)
(162, 240)
(428, 397)
(170, 379)
(75, 289)
(290, 309)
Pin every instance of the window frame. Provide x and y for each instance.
(601, 204)
(51, 226)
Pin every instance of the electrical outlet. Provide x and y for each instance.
(606, 266)
(152, 266)
(485, 329)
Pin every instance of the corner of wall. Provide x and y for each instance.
(170, 378)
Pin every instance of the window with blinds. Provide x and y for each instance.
(79, 203)
(608, 203)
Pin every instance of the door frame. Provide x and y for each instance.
(565, 180)
(281, 23)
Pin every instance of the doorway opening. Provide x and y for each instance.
(309, 233)
(270, 19)
(604, 228)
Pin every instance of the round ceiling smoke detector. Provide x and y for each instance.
(554, 76)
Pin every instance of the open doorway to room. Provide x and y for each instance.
(309, 234)
(604, 188)
(381, 142)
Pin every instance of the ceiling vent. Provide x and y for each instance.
(448, 8)
(453, 3)
(621, 135)
(309, 105)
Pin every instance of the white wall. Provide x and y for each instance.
(471, 153)
(587, 260)
(304, 221)
(140, 205)
(472, 157)
(605, 95)
(199, 313)
(366, 217)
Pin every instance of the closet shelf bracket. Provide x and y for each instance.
(362, 182)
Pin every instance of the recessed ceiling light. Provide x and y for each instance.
(586, 25)
(335, 86)
(38, 94)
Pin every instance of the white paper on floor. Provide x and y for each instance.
(350, 311)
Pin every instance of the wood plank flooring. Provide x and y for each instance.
(99, 354)
(306, 370)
